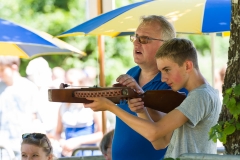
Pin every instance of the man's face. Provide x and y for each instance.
(144, 54)
(6, 74)
(172, 74)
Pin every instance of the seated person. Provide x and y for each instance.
(36, 146)
(106, 145)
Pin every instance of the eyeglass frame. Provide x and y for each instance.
(135, 37)
(38, 136)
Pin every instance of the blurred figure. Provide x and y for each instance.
(58, 77)
(36, 146)
(2, 86)
(39, 72)
(91, 75)
(75, 77)
(219, 79)
(106, 145)
(17, 103)
(81, 126)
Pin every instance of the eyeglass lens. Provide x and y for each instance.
(141, 39)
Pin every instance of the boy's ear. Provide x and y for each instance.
(189, 65)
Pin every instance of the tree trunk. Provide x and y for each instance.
(232, 75)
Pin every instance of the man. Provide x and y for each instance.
(17, 102)
(185, 129)
(149, 36)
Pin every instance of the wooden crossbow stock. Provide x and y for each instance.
(161, 100)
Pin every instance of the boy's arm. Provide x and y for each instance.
(155, 115)
(158, 133)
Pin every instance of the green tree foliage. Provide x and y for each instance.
(225, 128)
(55, 17)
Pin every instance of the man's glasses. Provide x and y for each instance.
(37, 136)
(142, 39)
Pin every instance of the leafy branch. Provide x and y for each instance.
(224, 128)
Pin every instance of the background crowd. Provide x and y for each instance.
(25, 108)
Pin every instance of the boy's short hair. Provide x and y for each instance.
(179, 50)
(9, 60)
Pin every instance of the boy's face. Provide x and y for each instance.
(172, 74)
(6, 74)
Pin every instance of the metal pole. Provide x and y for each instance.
(213, 36)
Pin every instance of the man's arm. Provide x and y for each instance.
(144, 112)
(150, 114)
(158, 133)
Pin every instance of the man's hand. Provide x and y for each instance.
(136, 105)
(129, 81)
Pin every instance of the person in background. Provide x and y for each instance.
(2, 86)
(81, 126)
(17, 103)
(36, 146)
(58, 76)
(106, 145)
(152, 32)
(39, 72)
(219, 79)
(184, 129)
(91, 75)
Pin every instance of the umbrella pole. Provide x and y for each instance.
(101, 75)
(101, 65)
(213, 36)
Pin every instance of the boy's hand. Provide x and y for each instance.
(99, 104)
(129, 81)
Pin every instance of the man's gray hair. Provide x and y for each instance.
(167, 30)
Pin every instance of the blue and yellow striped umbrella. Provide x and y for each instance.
(187, 16)
(21, 41)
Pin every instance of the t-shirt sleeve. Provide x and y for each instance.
(195, 107)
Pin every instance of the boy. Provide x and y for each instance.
(185, 129)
